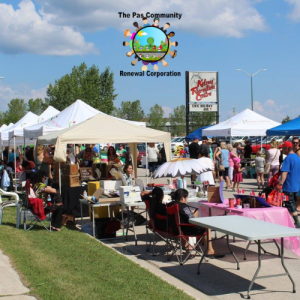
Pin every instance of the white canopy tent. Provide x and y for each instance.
(74, 114)
(49, 112)
(246, 123)
(102, 128)
(17, 129)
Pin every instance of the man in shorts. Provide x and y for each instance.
(289, 183)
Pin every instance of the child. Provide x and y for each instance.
(237, 173)
(259, 168)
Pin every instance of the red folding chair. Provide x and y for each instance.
(176, 235)
(162, 235)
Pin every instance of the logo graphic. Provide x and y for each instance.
(150, 44)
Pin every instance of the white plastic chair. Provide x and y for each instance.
(140, 183)
(16, 202)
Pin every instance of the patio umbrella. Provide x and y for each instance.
(182, 166)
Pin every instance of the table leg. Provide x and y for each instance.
(93, 218)
(233, 254)
(108, 206)
(257, 271)
(81, 213)
(283, 265)
(122, 207)
(205, 252)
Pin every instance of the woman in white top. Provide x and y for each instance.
(208, 175)
(152, 158)
(272, 158)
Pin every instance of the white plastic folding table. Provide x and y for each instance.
(249, 230)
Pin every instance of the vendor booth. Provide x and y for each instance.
(246, 123)
(289, 128)
(196, 133)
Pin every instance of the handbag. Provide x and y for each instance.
(221, 167)
(275, 198)
(268, 165)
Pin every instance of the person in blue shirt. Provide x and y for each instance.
(145, 20)
(12, 155)
(223, 157)
(97, 149)
(289, 183)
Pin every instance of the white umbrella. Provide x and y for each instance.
(182, 166)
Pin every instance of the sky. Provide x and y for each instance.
(42, 40)
(153, 32)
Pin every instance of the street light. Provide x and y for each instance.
(251, 75)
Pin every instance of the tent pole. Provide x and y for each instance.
(59, 176)
(146, 152)
(15, 157)
(2, 150)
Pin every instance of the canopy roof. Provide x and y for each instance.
(245, 123)
(196, 133)
(289, 128)
(101, 129)
(48, 113)
(76, 113)
(17, 129)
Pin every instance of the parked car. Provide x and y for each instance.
(142, 152)
(177, 141)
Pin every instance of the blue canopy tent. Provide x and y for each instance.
(197, 132)
(289, 128)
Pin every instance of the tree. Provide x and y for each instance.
(16, 110)
(2, 121)
(156, 117)
(86, 84)
(36, 106)
(150, 41)
(200, 119)
(178, 121)
(130, 111)
(286, 119)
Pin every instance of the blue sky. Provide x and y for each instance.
(40, 41)
(153, 32)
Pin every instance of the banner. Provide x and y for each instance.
(203, 87)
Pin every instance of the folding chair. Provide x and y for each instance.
(176, 235)
(34, 208)
(16, 202)
(163, 235)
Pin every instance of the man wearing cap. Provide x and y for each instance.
(289, 183)
(204, 145)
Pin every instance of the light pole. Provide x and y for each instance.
(251, 76)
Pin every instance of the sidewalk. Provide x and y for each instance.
(11, 287)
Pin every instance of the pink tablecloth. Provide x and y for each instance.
(276, 215)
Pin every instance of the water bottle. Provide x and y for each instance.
(49, 199)
(84, 194)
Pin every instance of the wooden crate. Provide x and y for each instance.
(70, 180)
(69, 169)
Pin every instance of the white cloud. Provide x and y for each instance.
(7, 93)
(231, 18)
(167, 110)
(273, 110)
(24, 30)
(295, 14)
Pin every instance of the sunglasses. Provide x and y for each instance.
(295, 142)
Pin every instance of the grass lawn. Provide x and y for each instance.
(71, 265)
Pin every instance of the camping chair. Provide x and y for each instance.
(34, 208)
(163, 235)
(16, 202)
(176, 235)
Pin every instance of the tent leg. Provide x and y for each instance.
(146, 152)
(59, 176)
(15, 157)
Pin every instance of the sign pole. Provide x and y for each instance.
(187, 105)
(218, 111)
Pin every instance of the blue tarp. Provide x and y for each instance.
(197, 132)
(289, 128)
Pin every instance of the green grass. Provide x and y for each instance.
(71, 265)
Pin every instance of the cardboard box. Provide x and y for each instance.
(213, 194)
(110, 185)
(70, 180)
(69, 169)
(130, 194)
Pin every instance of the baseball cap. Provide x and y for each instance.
(204, 138)
(286, 144)
(209, 141)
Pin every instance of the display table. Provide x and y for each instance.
(104, 202)
(70, 197)
(276, 215)
(250, 230)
